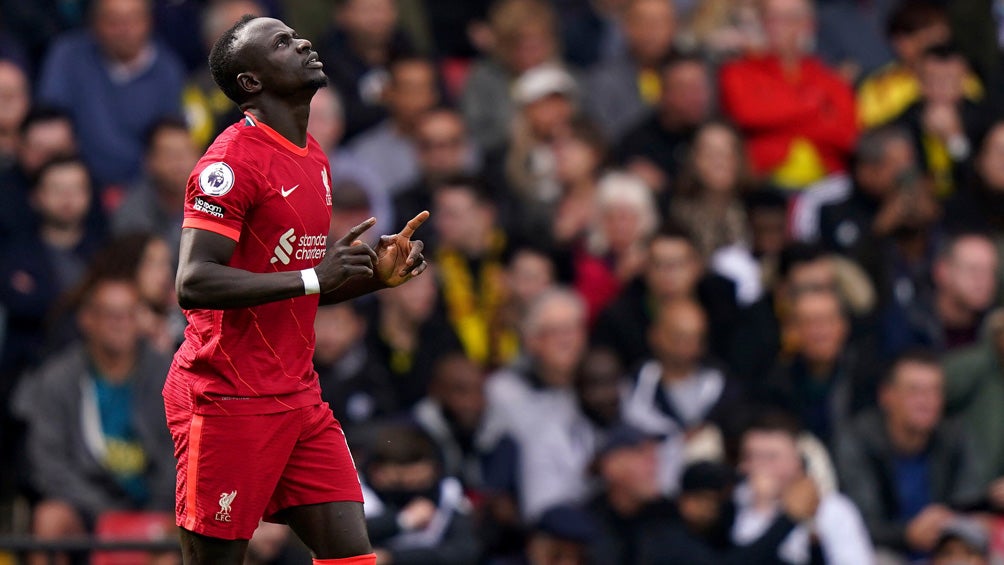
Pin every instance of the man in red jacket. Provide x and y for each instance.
(797, 115)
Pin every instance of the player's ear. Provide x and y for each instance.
(249, 83)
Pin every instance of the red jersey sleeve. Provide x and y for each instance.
(220, 194)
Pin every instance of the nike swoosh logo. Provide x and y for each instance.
(285, 192)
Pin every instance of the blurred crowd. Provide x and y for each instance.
(712, 281)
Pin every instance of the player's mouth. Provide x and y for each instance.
(313, 61)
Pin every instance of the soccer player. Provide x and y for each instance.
(252, 436)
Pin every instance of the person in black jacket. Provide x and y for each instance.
(637, 526)
(673, 270)
(415, 514)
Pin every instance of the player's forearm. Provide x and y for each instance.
(219, 287)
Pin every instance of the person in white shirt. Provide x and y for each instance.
(771, 461)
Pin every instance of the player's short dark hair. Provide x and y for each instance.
(911, 17)
(917, 356)
(224, 62)
(797, 254)
(43, 114)
(165, 124)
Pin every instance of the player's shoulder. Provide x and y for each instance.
(239, 148)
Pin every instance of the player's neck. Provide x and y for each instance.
(288, 119)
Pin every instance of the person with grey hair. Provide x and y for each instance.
(884, 160)
(614, 251)
(532, 404)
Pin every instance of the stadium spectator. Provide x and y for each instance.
(883, 160)
(772, 463)
(15, 102)
(388, 148)
(326, 125)
(707, 202)
(444, 149)
(452, 414)
(797, 115)
(409, 334)
(678, 393)
(943, 123)
(39, 266)
(580, 156)
(851, 36)
(612, 253)
(555, 464)
(974, 389)
(523, 36)
(149, 261)
(546, 98)
(415, 513)
(965, 286)
(116, 82)
(962, 542)
(903, 465)
(631, 514)
(767, 211)
(470, 266)
(207, 110)
(44, 135)
(707, 197)
(356, 52)
(673, 270)
(656, 147)
(96, 435)
(722, 29)
(757, 338)
(591, 32)
(156, 203)
(354, 382)
(560, 537)
(535, 393)
(621, 91)
(979, 204)
(911, 29)
(826, 378)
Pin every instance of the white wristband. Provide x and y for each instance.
(310, 283)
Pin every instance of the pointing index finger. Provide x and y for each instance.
(357, 231)
(414, 224)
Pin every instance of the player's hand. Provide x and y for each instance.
(348, 258)
(398, 258)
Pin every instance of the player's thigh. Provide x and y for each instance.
(197, 549)
(319, 495)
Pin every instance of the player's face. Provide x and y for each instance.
(282, 62)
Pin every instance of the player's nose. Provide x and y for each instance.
(303, 45)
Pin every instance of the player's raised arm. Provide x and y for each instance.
(205, 281)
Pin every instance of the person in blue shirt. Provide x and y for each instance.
(116, 82)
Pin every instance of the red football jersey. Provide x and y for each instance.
(274, 199)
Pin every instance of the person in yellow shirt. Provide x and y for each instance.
(912, 29)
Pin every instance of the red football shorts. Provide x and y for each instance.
(236, 470)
